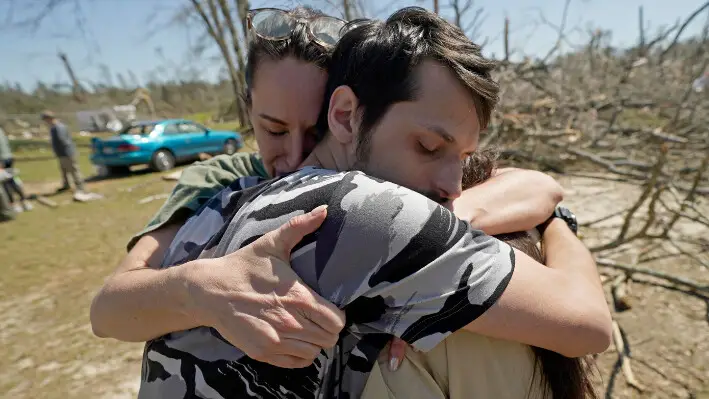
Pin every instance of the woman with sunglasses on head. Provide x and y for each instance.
(254, 300)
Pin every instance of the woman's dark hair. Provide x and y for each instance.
(299, 46)
(565, 378)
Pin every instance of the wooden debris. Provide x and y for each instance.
(174, 176)
(693, 286)
(619, 290)
(86, 197)
(624, 359)
(152, 198)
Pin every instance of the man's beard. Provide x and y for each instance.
(362, 163)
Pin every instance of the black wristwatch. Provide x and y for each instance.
(564, 214)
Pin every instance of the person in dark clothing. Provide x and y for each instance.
(10, 182)
(6, 211)
(65, 150)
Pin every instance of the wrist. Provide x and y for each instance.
(185, 284)
(474, 216)
(555, 227)
(564, 214)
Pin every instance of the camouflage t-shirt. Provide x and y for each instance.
(394, 261)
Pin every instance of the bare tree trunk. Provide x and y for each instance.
(641, 21)
(77, 90)
(472, 28)
(507, 39)
(347, 11)
(435, 6)
(216, 31)
(242, 8)
(457, 14)
(236, 44)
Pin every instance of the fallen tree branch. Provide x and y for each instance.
(600, 161)
(689, 198)
(624, 358)
(639, 270)
(647, 192)
(619, 292)
(604, 218)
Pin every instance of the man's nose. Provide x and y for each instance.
(450, 184)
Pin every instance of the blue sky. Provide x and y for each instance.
(137, 36)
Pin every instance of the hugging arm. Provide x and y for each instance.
(420, 273)
(510, 200)
(139, 302)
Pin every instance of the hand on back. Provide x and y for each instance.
(257, 302)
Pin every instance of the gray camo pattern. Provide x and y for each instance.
(396, 262)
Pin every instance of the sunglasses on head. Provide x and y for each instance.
(277, 24)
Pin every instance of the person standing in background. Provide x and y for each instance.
(11, 184)
(65, 150)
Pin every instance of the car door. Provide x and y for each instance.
(177, 139)
(203, 139)
(213, 140)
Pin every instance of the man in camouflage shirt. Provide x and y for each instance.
(400, 266)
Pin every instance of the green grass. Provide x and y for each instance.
(42, 166)
(31, 145)
(53, 261)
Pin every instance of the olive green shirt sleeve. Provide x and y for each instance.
(200, 182)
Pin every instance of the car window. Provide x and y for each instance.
(141, 129)
(171, 128)
(188, 127)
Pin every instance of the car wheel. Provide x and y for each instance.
(162, 160)
(230, 147)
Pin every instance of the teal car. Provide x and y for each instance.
(161, 144)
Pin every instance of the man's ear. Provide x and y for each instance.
(342, 115)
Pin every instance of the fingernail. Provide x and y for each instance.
(393, 364)
(319, 210)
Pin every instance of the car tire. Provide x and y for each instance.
(162, 160)
(231, 147)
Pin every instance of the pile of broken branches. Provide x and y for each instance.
(631, 116)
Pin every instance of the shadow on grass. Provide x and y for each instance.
(119, 176)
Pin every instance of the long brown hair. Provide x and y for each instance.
(565, 378)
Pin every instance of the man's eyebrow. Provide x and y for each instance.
(441, 132)
(272, 119)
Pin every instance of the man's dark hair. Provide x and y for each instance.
(298, 45)
(378, 61)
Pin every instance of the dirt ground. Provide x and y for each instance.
(49, 351)
(667, 329)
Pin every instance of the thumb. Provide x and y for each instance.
(289, 235)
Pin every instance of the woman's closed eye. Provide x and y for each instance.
(277, 133)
